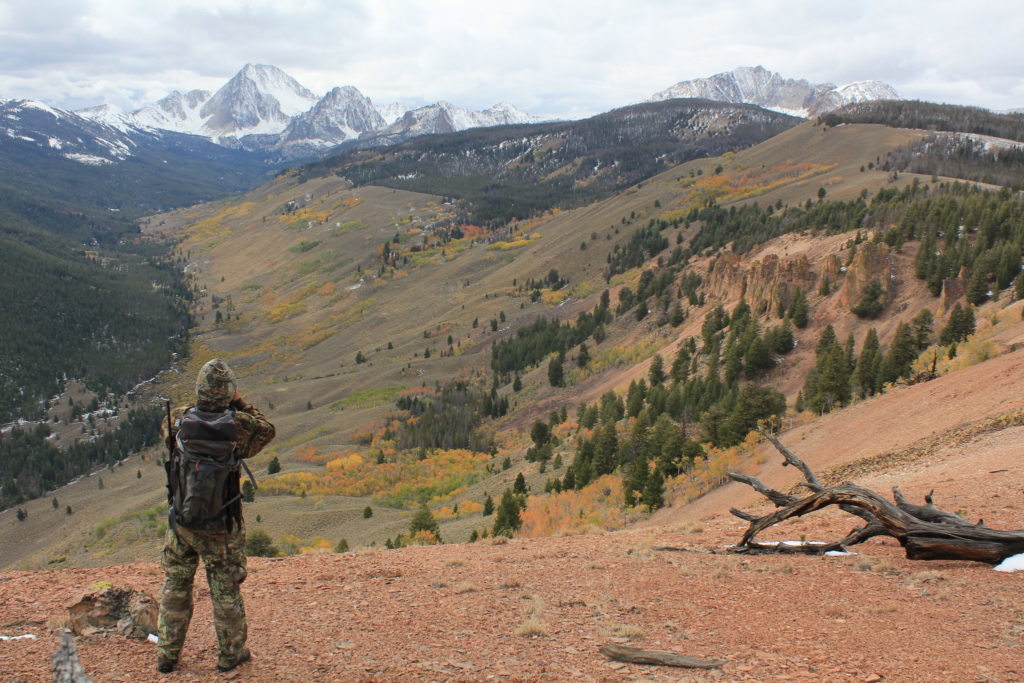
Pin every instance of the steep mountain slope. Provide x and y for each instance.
(757, 85)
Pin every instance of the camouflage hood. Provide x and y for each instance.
(215, 386)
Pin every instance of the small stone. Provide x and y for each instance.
(872, 678)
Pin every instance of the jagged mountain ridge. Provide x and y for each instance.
(283, 117)
(769, 89)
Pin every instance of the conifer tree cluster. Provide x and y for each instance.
(30, 464)
(449, 416)
(652, 432)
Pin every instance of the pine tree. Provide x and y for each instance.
(870, 304)
(798, 310)
(606, 443)
(488, 506)
(259, 544)
(555, 371)
(248, 492)
(901, 355)
(633, 487)
(966, 325)
(274, 466)
(507, 520)
(833, 386)
(342, 546)
(520, 484)
(758, 357)
(423, 520)
(367, 512)
(923, 324)
(676, 315)
(582, 356)
(977, 287)
(654, 490)
(826, 340)
(681, 364)
(656, 373)
(866, 372)
(950, 330)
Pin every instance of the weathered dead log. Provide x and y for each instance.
(925, 531)
(621, 653)
(929, 512)
(922, 540)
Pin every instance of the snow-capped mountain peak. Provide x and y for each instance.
(769, 89)
(283, 117)
(342, 114)
(258, 99)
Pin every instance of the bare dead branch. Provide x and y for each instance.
(621, 653)
(925, 531)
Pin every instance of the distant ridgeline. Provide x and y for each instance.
(519, 171)
(963, 146)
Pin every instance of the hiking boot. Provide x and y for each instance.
(166, 666)
(244, 657)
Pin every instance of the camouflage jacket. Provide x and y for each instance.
(254, 430)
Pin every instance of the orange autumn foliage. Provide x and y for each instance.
(598, 505)
(710, 473)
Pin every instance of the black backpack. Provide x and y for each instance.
(203, 473)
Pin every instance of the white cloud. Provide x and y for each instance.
(556, 57)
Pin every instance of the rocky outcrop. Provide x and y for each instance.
(763, 283)
(872, 262)
(126, 611)
(954, 289)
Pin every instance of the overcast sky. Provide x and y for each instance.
(565, 58)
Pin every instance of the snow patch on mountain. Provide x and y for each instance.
(88, 159)
(177, 111)
(392, 112)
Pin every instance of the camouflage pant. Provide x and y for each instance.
(224, 557)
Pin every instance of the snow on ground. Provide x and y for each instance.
(1014, 563)
(88, 159)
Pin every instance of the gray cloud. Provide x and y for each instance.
(557, 57)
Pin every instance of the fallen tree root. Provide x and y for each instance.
(925, 531)
(621, 653)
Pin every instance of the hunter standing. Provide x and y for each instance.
(207, 444)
